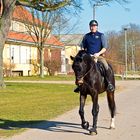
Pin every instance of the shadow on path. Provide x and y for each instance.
(55, 126)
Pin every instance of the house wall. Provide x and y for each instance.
(52, 54)
(56, 54)
(20, 56)
(70, 51)
(23, 59)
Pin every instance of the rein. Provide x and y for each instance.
(86, 73)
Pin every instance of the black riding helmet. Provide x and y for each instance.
(93, 22)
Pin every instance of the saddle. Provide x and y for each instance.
(101, 68)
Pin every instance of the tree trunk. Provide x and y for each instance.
(5, 22)
(2, 85)
(42, 62)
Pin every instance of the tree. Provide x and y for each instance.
(133, 35)
(116, 52)
(7, 8)
(7, 69)
(52, 66)
(40, 25)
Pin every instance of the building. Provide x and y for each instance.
(72, 46)
(20, 54)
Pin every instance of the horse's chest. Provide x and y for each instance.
(99, 85)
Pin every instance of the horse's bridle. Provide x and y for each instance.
(81, 81)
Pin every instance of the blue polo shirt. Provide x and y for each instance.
(94, 42)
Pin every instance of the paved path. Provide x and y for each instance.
(67, 126)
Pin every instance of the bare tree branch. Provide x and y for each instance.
(43, 5)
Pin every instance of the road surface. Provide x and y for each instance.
(67, 126)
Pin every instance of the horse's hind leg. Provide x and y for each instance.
(84, 124)
(112, 107)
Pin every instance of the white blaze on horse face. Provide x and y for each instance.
(112, 123)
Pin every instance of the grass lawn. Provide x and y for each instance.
(26, 104)
(47, 78)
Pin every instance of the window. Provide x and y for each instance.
(20, 54)
(15, 26)
(22, 27)
(18, 26)
(25, 54)
(14, 54)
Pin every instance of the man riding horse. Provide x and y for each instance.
(95, 44)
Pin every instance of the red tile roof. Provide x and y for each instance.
(25, 37)
(53, 41)
(22, 14)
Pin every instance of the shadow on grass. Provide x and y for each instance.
(54, 126)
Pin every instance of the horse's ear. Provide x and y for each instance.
(72, 58)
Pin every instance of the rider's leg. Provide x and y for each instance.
(110, 86)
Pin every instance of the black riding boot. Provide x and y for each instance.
(110, 86)
(76, 90)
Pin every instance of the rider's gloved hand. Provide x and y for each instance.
(96, 55)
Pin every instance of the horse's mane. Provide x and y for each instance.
(81, 53)
(84, 55)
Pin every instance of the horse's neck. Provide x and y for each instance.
(93, 65)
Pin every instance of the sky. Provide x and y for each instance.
(110, 18)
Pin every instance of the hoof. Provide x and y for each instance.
(93, 131)
(85, 125)
(112, 127)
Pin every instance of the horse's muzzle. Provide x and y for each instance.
(79, 81)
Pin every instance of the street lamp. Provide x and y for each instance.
(96, 5)
(125, 34)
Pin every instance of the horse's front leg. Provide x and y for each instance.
(84, 124)
(95, 110)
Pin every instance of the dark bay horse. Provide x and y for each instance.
(89, 77)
